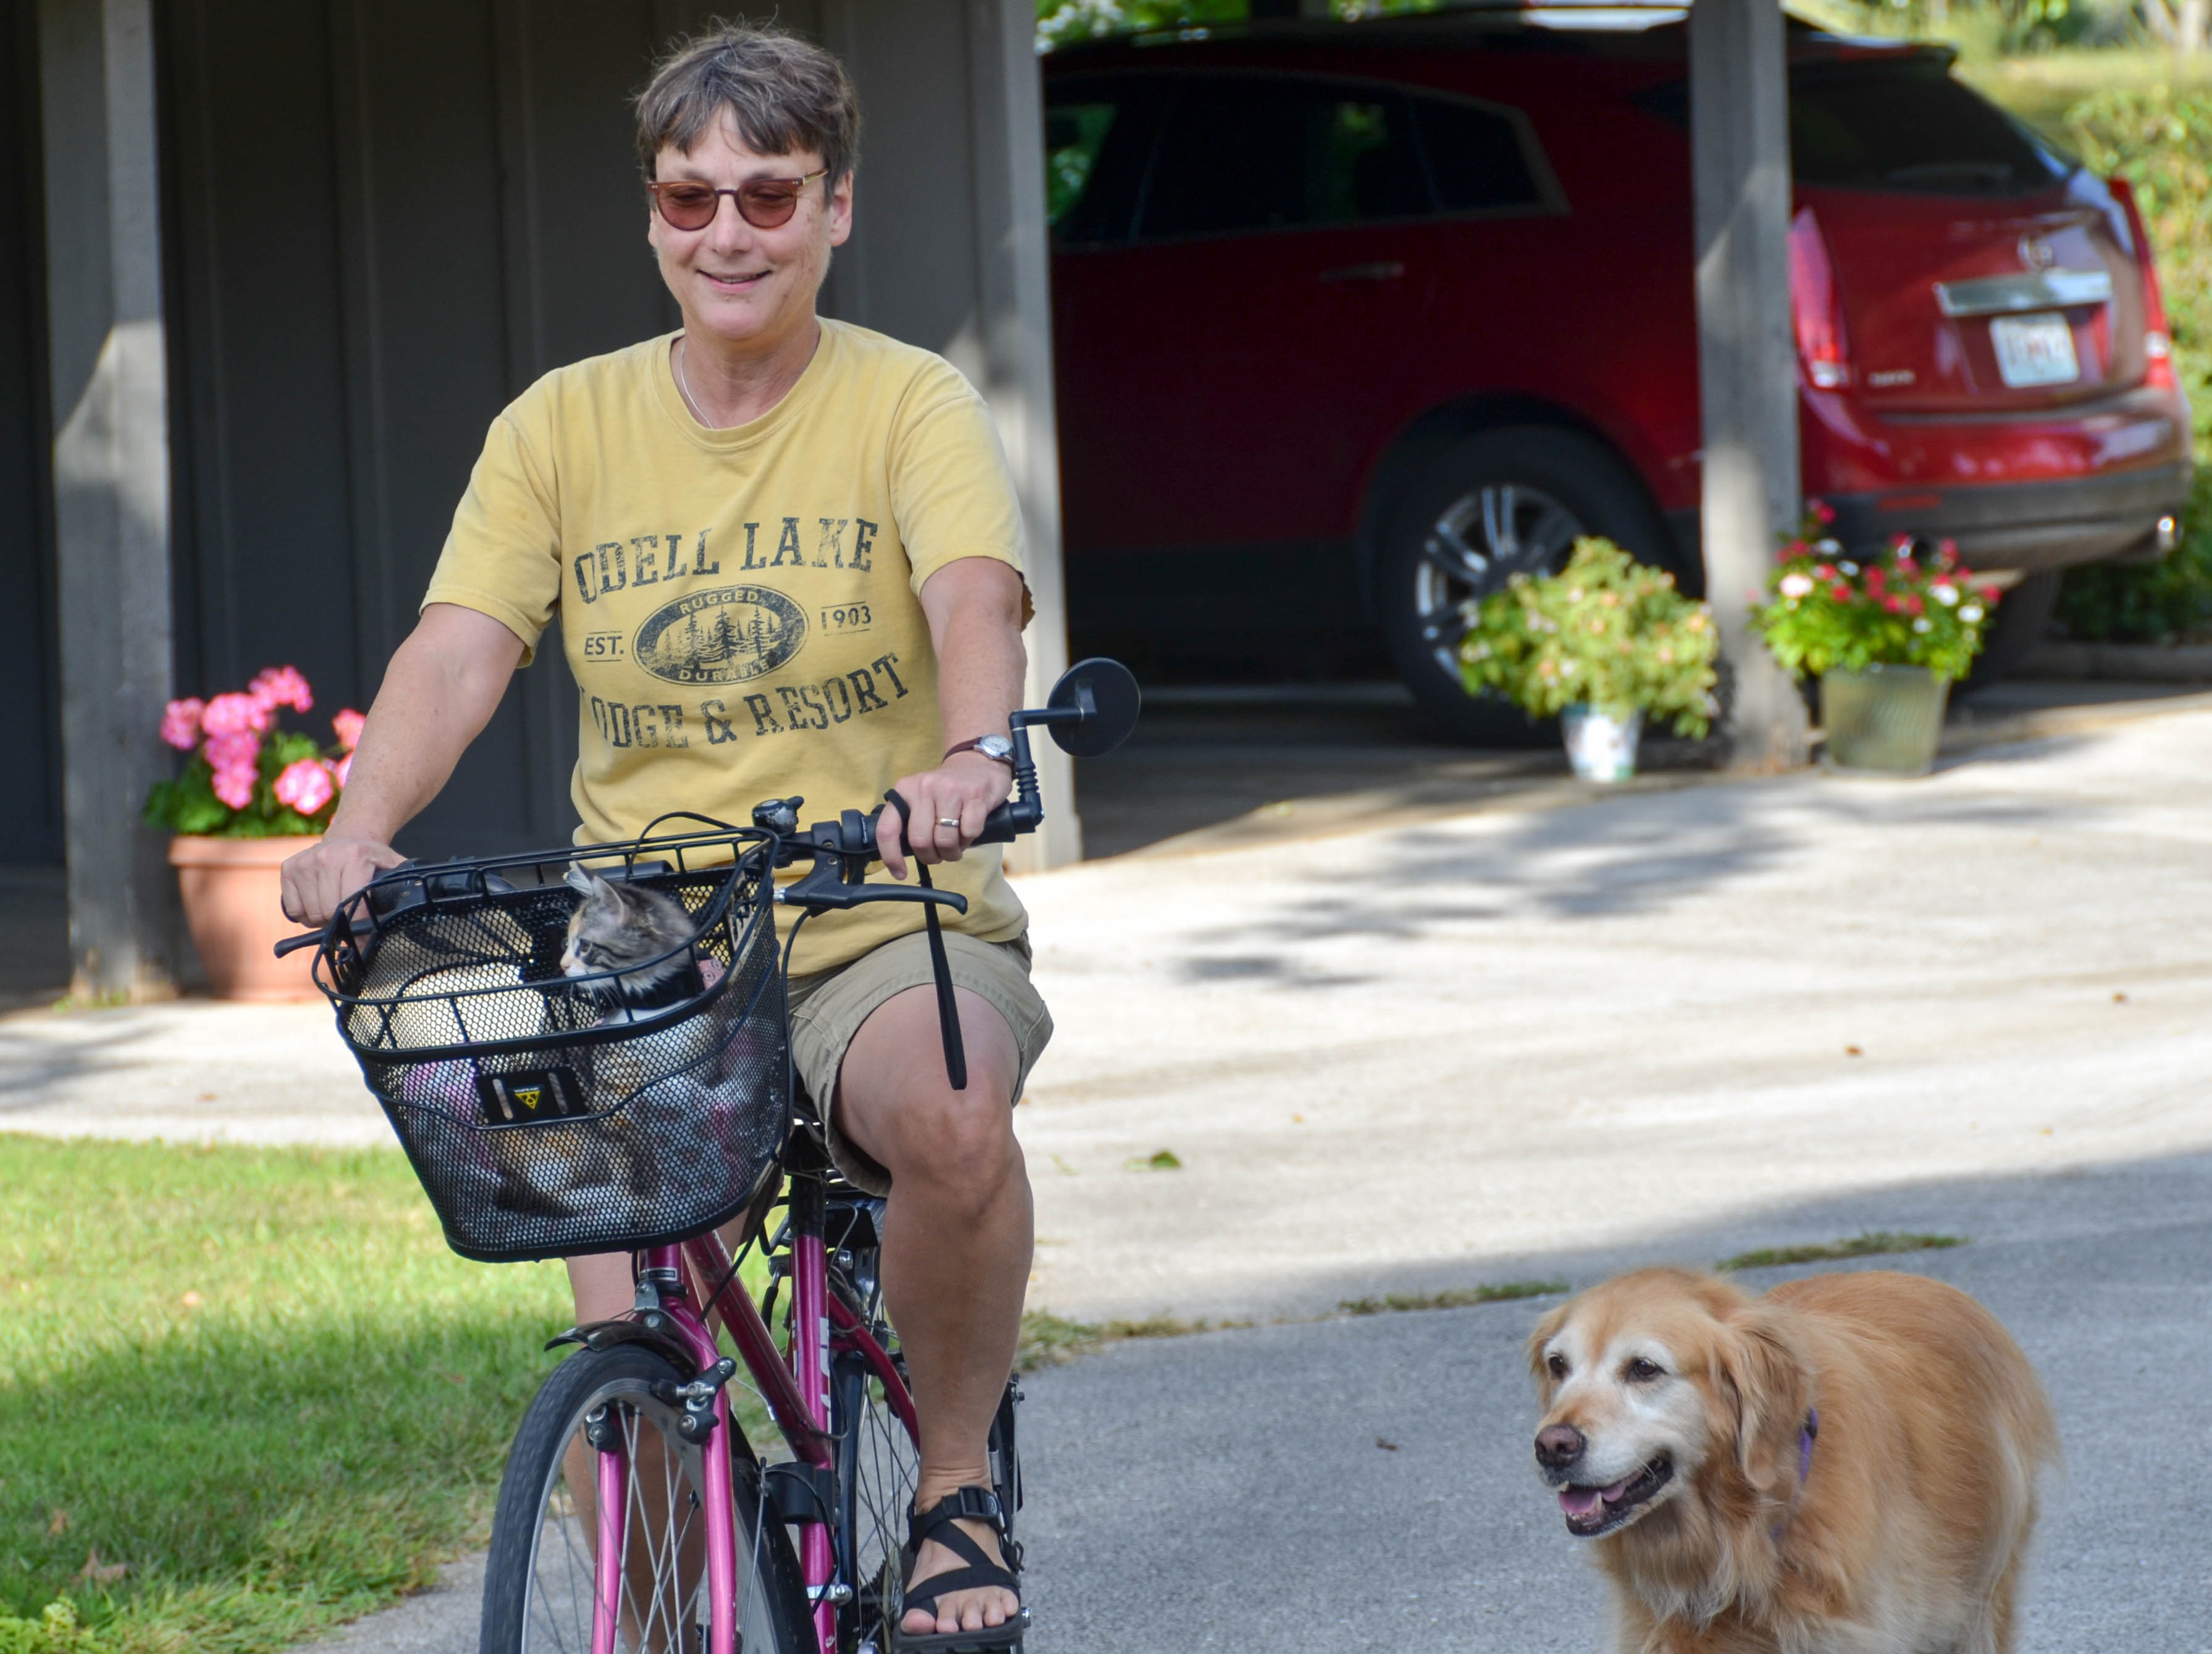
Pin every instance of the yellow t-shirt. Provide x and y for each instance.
(740, 607)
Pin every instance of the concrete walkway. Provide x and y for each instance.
(1465, 1050)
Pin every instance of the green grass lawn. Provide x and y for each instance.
(243, 1394)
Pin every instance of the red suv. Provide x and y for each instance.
(1353, 321)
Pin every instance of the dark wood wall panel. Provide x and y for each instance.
(30, 805)
(259, 419)
(391, 216)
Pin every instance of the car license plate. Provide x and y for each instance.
(2034, 349)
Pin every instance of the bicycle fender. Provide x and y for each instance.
(662, 1339)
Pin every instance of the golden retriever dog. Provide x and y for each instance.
(1847, 1463)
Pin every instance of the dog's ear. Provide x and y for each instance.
(1762, 1377)
(1547, 1330)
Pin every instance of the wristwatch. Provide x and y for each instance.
(991, 746)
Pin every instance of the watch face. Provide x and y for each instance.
(995, 746)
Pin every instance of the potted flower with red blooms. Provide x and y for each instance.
(1886, 634)
(251, 796)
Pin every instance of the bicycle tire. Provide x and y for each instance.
(878, 1464)
(539, 1600)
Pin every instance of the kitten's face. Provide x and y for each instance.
(615, 927)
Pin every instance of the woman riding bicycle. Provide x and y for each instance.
(785, 554)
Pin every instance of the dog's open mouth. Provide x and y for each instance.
(1593, 1510)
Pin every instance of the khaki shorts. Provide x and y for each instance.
(828, 1008)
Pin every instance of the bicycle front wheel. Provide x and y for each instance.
(540, 1593)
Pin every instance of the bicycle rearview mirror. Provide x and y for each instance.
(1104, 696)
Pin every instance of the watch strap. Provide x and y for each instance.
(977, 745)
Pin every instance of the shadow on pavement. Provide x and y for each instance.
(1217, 768)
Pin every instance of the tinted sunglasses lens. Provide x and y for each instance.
(687, 206)
(767, 205)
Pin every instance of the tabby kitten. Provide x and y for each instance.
(617, 925)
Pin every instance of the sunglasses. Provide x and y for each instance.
(763, 203)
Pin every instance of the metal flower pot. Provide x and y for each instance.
(1887, 720)
(1600, 747)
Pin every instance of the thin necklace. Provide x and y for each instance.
(684, 384)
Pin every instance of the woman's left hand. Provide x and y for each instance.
(962, 790)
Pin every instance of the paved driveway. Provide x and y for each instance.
(1543, 1034)
(1230, 1490)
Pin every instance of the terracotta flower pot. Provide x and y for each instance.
(230, 891)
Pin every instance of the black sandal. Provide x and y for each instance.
(939, 1522)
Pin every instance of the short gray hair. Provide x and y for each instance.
(785, 94)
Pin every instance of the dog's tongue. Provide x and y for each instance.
(1584, 1501)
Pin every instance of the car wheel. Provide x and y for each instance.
(2022, 618)
(1494, 505)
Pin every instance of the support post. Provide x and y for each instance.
(111, 486)
(1014, 292)
(1747, 354)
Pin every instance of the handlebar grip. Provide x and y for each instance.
(999, 827)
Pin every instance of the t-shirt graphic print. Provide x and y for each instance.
(740, 608)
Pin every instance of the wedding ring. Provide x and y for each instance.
(948, 821)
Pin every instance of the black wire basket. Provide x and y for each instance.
(545, 1116)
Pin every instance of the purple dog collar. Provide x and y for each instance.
(1805, 1439)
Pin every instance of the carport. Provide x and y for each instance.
(269, 267)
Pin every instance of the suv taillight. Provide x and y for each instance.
(1816, 307)
(2158, 339)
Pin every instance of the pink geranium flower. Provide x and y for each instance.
(180, 723)
(280, 686)
(234, 787)
(305, 784)
(348, 725)
(238, 749)
(228, 715)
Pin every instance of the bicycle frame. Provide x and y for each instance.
(795, 1384)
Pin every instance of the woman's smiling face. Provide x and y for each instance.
(737, 283)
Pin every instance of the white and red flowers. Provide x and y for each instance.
(236, 736)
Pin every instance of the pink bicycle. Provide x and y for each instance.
(634, 1516)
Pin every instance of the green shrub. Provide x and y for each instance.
(2160, 139)
(1606, 632)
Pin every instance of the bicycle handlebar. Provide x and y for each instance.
(1089, 712)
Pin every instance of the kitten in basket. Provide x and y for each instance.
(617, 926)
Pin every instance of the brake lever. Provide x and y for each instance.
(838, 882)
(823, 891)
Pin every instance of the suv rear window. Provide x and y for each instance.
(1907, 124)
(1900, 123)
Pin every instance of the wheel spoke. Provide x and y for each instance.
(1447, 548)
(1554, 530)
(1500, 530)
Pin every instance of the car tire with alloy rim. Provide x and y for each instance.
(1491, 506)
